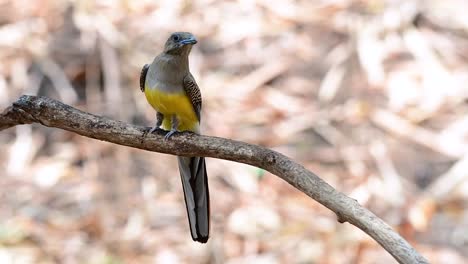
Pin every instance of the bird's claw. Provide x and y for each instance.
(169, 134)
(152, 130)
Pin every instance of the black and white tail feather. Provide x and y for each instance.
(197, 197)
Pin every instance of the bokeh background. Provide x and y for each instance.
(370, 95)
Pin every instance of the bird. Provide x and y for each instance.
(172, 91)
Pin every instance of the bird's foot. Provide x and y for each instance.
(153, 129)
(169, 134)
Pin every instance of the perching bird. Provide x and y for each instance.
(172, 91)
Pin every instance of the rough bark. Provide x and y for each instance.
(52, 113)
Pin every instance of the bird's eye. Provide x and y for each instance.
(176, 37)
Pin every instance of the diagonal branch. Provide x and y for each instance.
(52, 113)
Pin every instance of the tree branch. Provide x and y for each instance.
(52, 113)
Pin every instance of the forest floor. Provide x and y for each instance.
(370, 95)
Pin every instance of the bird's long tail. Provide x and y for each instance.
(196, 194)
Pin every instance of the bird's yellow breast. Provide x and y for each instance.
(170, 104)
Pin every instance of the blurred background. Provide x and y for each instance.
(370, 95)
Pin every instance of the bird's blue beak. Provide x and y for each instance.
(191, 40)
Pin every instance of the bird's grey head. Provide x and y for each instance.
(180, 43)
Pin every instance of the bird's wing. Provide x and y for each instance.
(144, 70)
(193, 92)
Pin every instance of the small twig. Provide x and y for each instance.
(52, 113)
(424, 137)
(111, 72)
(59, 79)
(259, 77)
(450, 180)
